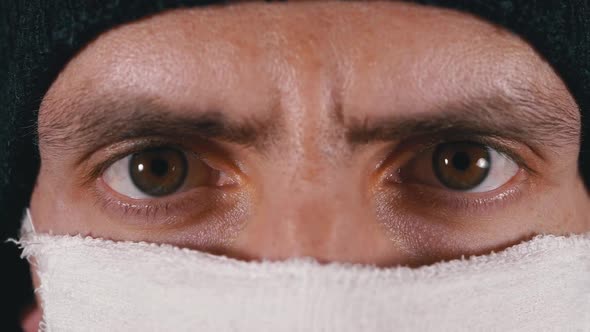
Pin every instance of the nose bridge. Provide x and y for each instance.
(306, 211)
(319, 219)
(308, 221)
(308, 203)
(303, 220)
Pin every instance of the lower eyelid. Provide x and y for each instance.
(157, 211)
(420, 197)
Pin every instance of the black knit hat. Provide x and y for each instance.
(38, 37)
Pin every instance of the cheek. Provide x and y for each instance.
(49, 207)
(434, 232)
(423, 230)
(61, 206)
(564, 210)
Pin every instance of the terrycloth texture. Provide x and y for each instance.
(38, 37)
(96, 285)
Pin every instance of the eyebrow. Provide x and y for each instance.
(98, 122)
(540, 122)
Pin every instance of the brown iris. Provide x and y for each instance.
(461, 165)
(158, 172)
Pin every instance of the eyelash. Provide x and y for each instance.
(151, 209)
(148, 208)
(473, 202)
(102, 166)
(421, 145)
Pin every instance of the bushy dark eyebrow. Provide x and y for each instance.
(538, 122)
(84, 126)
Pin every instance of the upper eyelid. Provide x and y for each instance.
(103, 165)
(205, 151)
(427, 143)
(420, 145)
(508, 152)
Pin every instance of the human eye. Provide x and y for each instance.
(462, 166)
(441, 195)
(166, 181)
(460, 177)
(159, 172)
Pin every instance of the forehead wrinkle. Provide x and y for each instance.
(81, 119)
(520, 87)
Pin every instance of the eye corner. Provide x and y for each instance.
(158, 172)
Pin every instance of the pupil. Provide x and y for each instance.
(461, 161)
(158, 172)
(461, 165)
(159, 167)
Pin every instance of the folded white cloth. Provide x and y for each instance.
(97, 285)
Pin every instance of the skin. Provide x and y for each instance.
(310, 78)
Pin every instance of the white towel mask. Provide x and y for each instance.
(92, 284)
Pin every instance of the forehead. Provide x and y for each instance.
(252, 57)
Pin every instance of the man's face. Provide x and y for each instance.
(380, 133)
